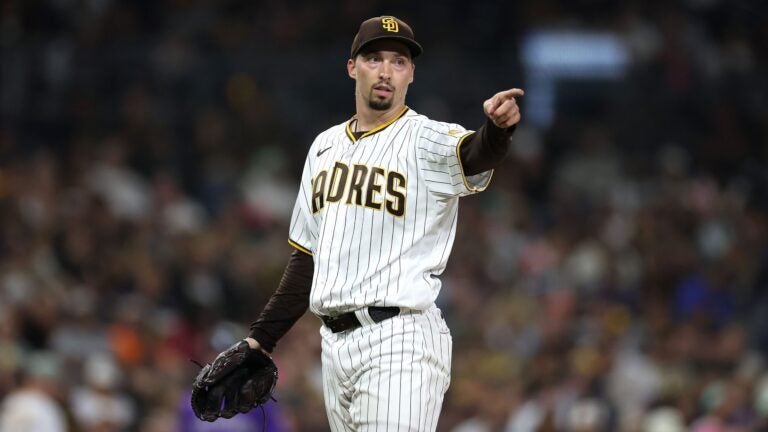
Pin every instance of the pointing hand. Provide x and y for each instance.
(502, 108)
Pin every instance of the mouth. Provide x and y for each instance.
(383, 90)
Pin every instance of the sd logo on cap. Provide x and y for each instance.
(390, 24)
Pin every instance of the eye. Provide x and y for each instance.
(400, 63)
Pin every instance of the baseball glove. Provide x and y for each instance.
(239, 379)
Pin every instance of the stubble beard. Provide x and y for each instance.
(380, 104)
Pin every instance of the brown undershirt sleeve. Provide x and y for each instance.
(287, 304)
(485, 149)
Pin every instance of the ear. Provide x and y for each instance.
(351, 69)
(413, 73)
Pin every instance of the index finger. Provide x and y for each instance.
(514, 92)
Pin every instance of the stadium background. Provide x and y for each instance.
(614, 277)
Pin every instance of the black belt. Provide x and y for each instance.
(349, 321)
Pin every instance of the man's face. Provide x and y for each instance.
(383, 71)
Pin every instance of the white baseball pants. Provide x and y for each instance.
(388, 376)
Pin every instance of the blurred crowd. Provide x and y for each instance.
(614, 277)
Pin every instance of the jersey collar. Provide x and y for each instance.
(377, 128)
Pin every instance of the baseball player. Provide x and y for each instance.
(372, 227)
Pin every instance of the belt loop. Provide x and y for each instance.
(364, 317)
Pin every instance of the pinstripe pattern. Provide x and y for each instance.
(388, 376)
(365, 256)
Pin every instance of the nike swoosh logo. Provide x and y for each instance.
(323, 151)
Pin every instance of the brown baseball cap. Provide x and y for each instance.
(385, 27)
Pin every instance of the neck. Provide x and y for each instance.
(368, 118)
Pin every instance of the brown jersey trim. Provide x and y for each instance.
(299, 247)
(461, 166)
(378, 128)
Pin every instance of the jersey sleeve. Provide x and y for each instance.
(438, 149)
(302, 233)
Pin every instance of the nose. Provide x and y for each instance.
(385, 70)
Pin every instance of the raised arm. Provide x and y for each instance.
(489, 145)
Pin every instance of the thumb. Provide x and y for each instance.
(488, 106)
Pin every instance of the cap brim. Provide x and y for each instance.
(412, 45)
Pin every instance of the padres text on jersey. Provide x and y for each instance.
(359, 185)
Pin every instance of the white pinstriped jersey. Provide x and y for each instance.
(378, 214)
